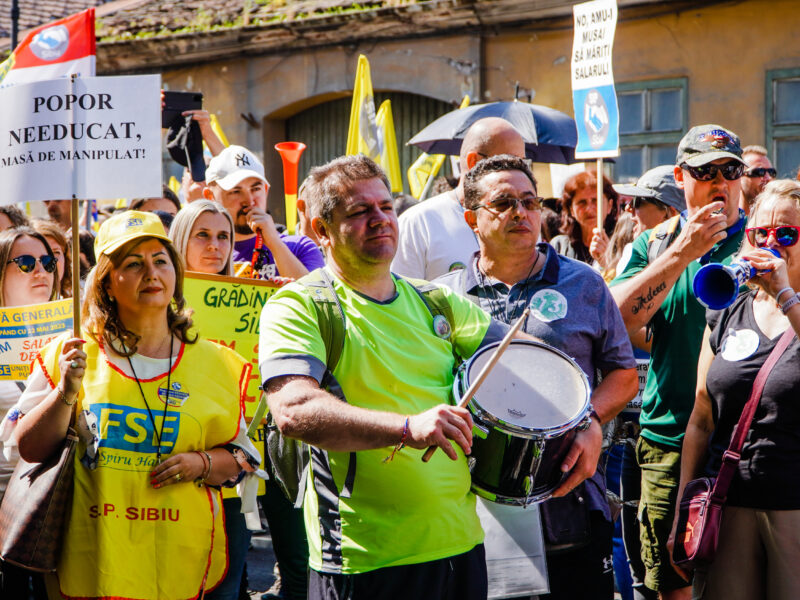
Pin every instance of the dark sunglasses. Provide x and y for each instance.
(27, 262)
(501, 205)
(639, 201)
(730, 170)
(760, 172)
(785, 235)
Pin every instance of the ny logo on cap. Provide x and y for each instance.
(242, 160)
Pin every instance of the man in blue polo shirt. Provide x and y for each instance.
(572, 310)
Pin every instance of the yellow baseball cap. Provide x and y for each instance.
(120, 229)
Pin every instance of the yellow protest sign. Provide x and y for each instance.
(24, 330)
(226, 311)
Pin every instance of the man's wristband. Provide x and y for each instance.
(593, 414)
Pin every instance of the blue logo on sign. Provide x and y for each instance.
(126, 428)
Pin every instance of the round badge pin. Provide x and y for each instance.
(441, 327)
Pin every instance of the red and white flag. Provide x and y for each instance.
(54, 50)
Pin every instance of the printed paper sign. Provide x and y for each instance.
(92, 137)
(593, 95)
(24, 331)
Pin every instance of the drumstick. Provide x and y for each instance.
(484, 373)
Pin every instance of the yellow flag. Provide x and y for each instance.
(390, 160)
(217, 128)
(362, 134)
(174, 184)
(427, 166)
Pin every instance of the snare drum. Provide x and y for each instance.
(525, 414)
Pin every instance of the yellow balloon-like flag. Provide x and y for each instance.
(426, 165)
(390, 159)
(362, 134)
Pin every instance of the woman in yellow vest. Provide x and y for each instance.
(159, 414)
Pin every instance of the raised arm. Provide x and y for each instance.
(639, 298)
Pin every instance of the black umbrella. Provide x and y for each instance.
(550, 135)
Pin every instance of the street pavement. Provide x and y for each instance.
(260, 562)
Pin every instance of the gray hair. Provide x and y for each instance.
(181, 228)
(327, 185)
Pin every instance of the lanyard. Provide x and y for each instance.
(166, 399)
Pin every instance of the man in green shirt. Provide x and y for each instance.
(380, 522)
(655, 291)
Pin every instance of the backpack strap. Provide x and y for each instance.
(330, 314)
(661, 237)
(435, 300)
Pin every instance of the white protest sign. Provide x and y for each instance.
(94, 137)
(593, 96)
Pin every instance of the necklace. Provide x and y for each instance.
(166, 399)
(495, 302)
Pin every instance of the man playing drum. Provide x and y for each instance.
(573, 311)
(381, 523)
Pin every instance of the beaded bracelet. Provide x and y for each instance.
(401, 444)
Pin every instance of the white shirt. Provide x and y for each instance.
(434, 239)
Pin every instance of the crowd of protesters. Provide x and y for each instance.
(378, 526)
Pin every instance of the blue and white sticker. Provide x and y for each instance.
(177, 397)
(739, 344)
(549, 305)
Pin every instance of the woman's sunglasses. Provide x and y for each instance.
(731, 171)
(785, 235)
(27, 262)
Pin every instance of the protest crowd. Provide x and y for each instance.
(608, 380)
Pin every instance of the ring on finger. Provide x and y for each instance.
(74, 364)
(178, 477)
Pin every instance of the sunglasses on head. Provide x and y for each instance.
(785, 235)
(760, 172)
(505, 203)
(730, 170)
(27, 262)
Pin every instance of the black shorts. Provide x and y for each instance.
(461, 577)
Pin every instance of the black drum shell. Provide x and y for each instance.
(514, 470)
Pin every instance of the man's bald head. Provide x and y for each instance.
(489, 137)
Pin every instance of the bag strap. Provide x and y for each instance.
(731, 456)
(435, 300)
(330, 314)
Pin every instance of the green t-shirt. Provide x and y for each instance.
(677, 328)
(400, 512)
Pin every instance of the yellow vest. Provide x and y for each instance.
(125, 539)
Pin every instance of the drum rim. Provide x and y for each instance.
(511, 500)
(485, 416)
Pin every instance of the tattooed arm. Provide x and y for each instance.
(640, 297)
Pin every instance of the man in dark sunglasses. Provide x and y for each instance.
(655, 291)
(759, 172)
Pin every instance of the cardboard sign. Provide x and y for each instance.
(92, 137)
(227, 311)
(593, 96)
(24, 330)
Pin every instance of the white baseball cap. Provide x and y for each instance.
(232, 166)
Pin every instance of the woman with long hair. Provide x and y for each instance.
(202, 233)
(580, 239)
(158, 411)
(61, 250)
(27, 276)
